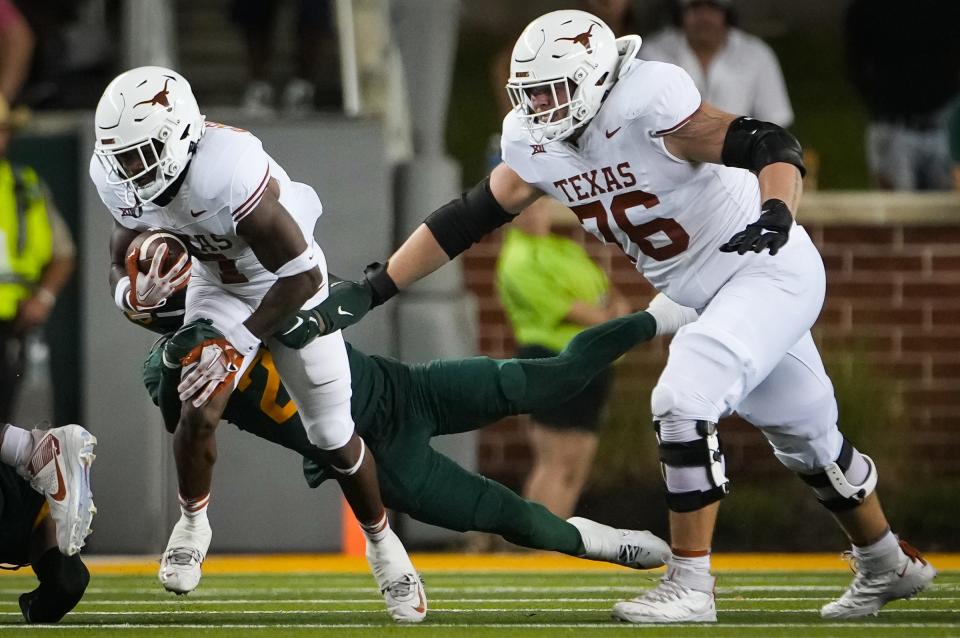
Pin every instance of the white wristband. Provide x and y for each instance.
(243, 340)
(307, 260)
(120, 294)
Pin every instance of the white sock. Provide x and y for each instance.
(695, 564)
(376, 532)
(881, 556)
(16, 447)
(194, 510)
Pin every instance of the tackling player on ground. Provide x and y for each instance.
(702, 201)
(158, 164)
(399, 408)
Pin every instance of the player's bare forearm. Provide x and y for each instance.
(278, 242)
(285, 297)
(781, 181)
(419, 256)
(120, 240)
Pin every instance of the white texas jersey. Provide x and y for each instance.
(668, 215)
(225, 181)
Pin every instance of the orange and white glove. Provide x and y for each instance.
(207, 369)
(150, 290)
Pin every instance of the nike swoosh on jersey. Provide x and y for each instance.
(198, 213)
(341, 311)
(610, 134)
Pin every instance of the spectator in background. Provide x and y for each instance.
(904, 60)
(733, 70)
(316, 78)
(36, 260)
(16, 50)
(551, 290)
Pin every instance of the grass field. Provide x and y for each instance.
(510, 600)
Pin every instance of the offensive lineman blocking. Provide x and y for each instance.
(158, 164)
(630, 146)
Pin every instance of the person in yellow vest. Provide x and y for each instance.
(36, 259)
(551, 290)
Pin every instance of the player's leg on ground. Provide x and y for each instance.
(744, 332)
(795, 408)
(63, 579)
(195, 453)
(57, 463)
(194, 441)
(432, 488)
(562, 460)
(471, 393)
(318, 380)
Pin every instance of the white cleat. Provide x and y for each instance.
(186, 549)
(398, 581)
(59, 468)
(870, 591)
(672, 601)
(631, 548)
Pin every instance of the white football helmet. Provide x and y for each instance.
(569, 56)
(147, 127)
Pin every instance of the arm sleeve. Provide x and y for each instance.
(771, 102)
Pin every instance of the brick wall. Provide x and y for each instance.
(893, 294)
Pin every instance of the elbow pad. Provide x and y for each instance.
(466, 220)
(753, 144)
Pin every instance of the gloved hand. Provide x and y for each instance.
(771, 230)
(208, 368)
(301, 329)
(670, 315)
(348, 303)
(150, 290)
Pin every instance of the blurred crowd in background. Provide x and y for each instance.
(872, 92)
(903, 63)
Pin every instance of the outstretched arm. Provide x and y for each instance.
(454, 227)
(444, 234)
(472, 393)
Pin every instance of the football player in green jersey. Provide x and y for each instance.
(398, 408)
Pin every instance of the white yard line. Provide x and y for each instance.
(379, 601)
(610, 625)
(434, 610)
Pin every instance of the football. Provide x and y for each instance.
(149, 241)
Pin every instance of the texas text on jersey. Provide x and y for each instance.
(668, 216)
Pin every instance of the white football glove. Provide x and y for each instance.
(150, 290)
(670, 315)
(209, 367)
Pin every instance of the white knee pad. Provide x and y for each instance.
(845, 483)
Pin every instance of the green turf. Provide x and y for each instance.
(474, 604)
